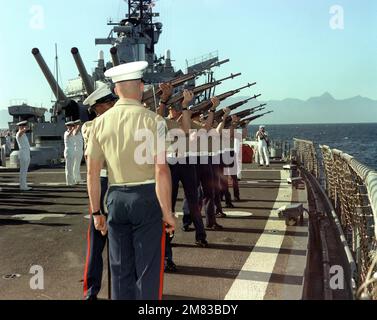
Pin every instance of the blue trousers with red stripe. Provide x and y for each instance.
(96, 245)
(137, 243)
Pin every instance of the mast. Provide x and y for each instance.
(57, 69)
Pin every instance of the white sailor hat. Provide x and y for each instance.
(262, 127)
(22, 123)
(69, 123)
(127, 71)
(77, 121)
(101, 95)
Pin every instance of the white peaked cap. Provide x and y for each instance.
(69, 123)
(102, 92)
(262, 127)
(127, 71)
(77, 122)
(22, 123)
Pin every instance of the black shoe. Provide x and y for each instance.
(229, 206)
(170, 266)
(202, 243)
(215, 227)
(237, 199)
(185, 228)
(220, 214)
(91, 298)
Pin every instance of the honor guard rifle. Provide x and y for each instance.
(243, 114)
(248, 112)
(247, 120)
(220, 113)
(200, 89)
(155, 92)
(205, 105)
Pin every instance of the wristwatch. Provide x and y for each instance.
(184, 108)
(97, 213)
(163, 102)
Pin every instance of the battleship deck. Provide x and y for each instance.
(255, 257)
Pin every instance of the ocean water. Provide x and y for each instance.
(358, 140)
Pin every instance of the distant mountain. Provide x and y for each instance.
(323, 109)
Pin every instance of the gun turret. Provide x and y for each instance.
(56, 89)
(88, 83)
(114, 56)
(205, 105)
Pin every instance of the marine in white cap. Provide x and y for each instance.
(263, 153)
(69, 153)
(136, 234)
(23, 154)
(98, 102)
(78, 151)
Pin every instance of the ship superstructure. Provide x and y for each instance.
(134, 38)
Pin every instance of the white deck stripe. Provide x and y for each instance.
(37, 217)
(244, 289)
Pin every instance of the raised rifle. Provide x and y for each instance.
(220, 113)
(199, 89)
(247, 120)
(156, 92)
(205, 105)
(242, 114)
(246, 113)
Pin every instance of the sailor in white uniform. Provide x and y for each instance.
(24, 154)
(79, 152)
(69, 153)
(262, 138)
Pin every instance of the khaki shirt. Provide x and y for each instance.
(113, 140)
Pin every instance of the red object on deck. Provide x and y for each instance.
(247, 154)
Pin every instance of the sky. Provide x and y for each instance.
(291, 48)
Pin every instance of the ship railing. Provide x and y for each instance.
(351, 188)
(307, 156)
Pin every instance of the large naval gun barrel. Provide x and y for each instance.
(82, 70)
(56, 89)
(114, 56)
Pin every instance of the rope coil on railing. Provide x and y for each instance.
(352, 188)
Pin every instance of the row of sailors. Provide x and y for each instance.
(73, 153)
(141, 197)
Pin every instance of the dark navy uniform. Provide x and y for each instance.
(205, 185)
(96, 245)
(135, 226)
(95, 240)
